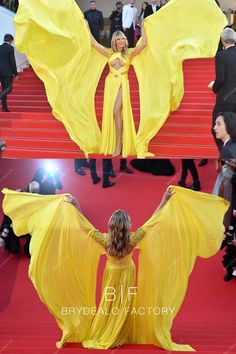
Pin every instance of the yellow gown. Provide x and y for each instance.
(118, 299)
(57, 43)
(115, 80)
(65, 257)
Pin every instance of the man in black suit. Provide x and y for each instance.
(225, 83)
(8, 69)
(151, 9)
(95, 20)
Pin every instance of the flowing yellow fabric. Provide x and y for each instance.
(65, 251)
(180, 30)
(56, 41)
(55, 38)
(60, 247)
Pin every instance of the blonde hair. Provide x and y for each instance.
(119, 228)
(115, 36)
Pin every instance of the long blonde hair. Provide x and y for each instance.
(119, 228)
(115, 36)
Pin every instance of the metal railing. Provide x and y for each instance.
(10, 4)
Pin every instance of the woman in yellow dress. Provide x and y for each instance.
(118, 130)
(119, 283)
(65, 253)
(71, 68)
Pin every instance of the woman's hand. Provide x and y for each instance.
(167, 195)
(70, 199)
(210, 85)
(231, 163)
(73, 201)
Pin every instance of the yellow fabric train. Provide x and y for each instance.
(65, 257)
(56, 40)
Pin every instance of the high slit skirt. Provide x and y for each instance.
(114, 82)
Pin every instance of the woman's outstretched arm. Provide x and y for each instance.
(96, 45)
(167, 195)
(139, 48)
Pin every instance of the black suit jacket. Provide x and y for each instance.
(95, 20)
(225, 83)
(228, 151)
(148, 11)
(7, 60)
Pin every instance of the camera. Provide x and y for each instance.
(230, 234)
(5, 231)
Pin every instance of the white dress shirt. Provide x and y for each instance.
(129, 16)
(154, 7)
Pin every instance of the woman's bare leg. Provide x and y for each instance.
(118, 122)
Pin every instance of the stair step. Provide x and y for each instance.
(31, 129)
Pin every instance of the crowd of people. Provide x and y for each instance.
(123, 18)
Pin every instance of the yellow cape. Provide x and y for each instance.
(64, 258)
(56, 41)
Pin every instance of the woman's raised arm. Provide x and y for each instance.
(96, 45)
(74, 201)
(167, 195)
(139, 48)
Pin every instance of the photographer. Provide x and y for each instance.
(49, 180)
(7, 235)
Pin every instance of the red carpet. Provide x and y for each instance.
(30, 130)
(207, 318)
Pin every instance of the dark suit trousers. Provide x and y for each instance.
(80, 163)
(189, 165)
(107, 168)
(130, 36)
(220, 108)
(6, 82)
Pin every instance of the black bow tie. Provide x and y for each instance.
(132, 5)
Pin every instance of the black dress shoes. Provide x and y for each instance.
(228, 277)
(112, 174)
(96, 180)
(195, 186)
(203, 162)
(182, 184)
(80, 172)
(126, 170)
(5, 109)
(108, 184)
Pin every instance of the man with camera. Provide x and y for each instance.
(7, 235)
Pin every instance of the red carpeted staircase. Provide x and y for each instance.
(31, 131)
